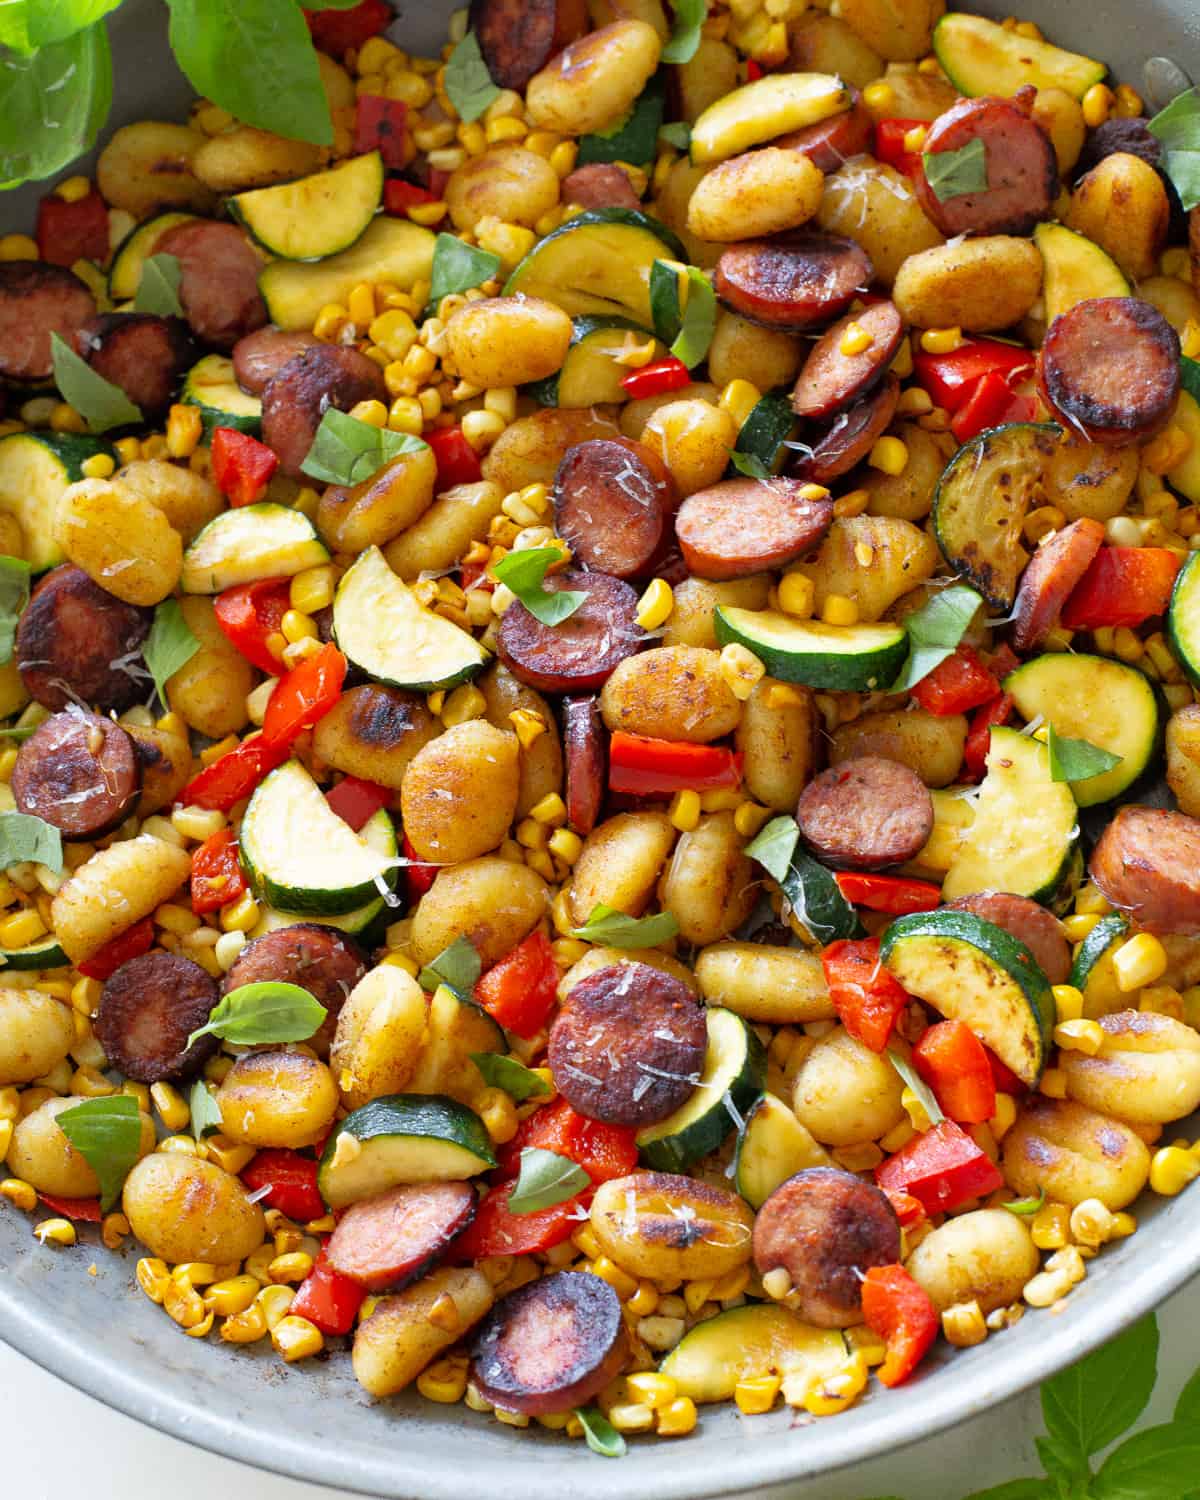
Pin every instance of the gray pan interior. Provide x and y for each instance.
(314, 1422)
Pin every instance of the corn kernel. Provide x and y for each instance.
(310, 591)
(678, 1419)
(1079, 1036)
(740, 669)
(621, 1281)
(826, 1397)
(1091, 1223)
(562, 158)
(1139, 961)
(99, 466)
(1097, 104)
(914, 138)
(481, 429)
(631, 1416)
(171, 1106)
(462, 705)
(1075, 928)
(796, 595)
(55, 1232)
(330, 322)
(1166, 451)
(242, 914)
(232, 1296)
(756, 1394)
(963, 1325)
(839, 609)
(113, 1229)
(198, 823)
(445, 1381)
(750, 818)
(1068, 1002)
(880, 99)
(739, 398)
(296, 1338)
(656, 604)
(941, 340)
(855, 340)
(777, 1283)
(914, 402)
(864, 1156)
(684, 811)
(22, 928)
(528, 725)
(1054, 1084)
(1171, 1169)
(499, 1115)
(18, 247)
(246, 1327)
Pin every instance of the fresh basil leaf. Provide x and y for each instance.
(100, 403)
(107, 1133)
(457, 967)
(1189, 376)
(934, 632)
(632, 138)
(816, 900)
(699, 320)
(269, 1011)
(14, 596)
(24, 837)
(602, 1437)
(524, 572)
(665, 299)
(467, 82)
(204, 1110)
(14, 26)
(750, 465)
(53, 102)
(678, 134)
(169, 646)
(690, 16)
(545, 1178)
(952, 174)
(1063, 1464)
(347, 451)
(617, 930)
(1187, 1407)
(458, 267)
(1019, 1489)
(774, 845)
(56, 20)
(918, 1085)
(1025, 1208)
(1091, 1404)
(517, 1081)
(1178, 128)
(1156, 1464)
(1076, 760)
(158, 289)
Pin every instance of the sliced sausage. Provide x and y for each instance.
(390, 1240)
(611, 500)
(519, 37)
(260, 356)
(829, 144)
(145, 355)
(1052, 572)
(852, 435)
(1031, 924)
(79, 772)
(600, 184)
(826, 1228)
(1147, 863)
(551, 1345)
(77, 644)
(866, 814)
(830, 379)
(219, 283)
(744, 526)
(582, 652)
(587, 762)
(1021, 168)
(1109, 367)
(149, 1008)
(1129, 137)
(295, 400)
(795, 282)
(628, 1045)
(37, 300)
(319, 959)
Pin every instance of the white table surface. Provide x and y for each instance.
(138, 1464)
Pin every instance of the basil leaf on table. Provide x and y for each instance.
(774, 845)
(107, 1133)
(204, 1110)
(158, 289)
(347, 451)
(56, 20)
(615, 929)
(524, 573)
(934, 632)
(269, 1011)
(467, 82)
(1091, 1404)
(458, 267)
(1178, 128)
(517, 1081)
(1019, 1489)
(602, 1437)
(953, 174)
(1159, 1463)
(690, 16)
(52, 104)
(699, 320)
(14, 596)
(101, 404)
(914, 1081)
(25, 838)
(457, 967)
(1076, 760)
(545, 1179)
(169, 646)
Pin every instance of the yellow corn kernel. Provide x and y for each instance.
(1097, 105)
(740, 669)
(678, 1419)
(176, 919)
(656, 604)
(796, 595)
(528, 725)
(551, 809)
(631, 1416)
(1068, 1002)
(444, 1381)
(1053, 1084)
(242, 914)
(756, 1394)
(855, 340)
(293, 1265)
(184, 431)
(21, 928)
(1191, 334)
(562, 158)
(394, 332)
(373, 413)
(834, 1393)
(941, 340)
(73, 189)
(55, 1232)
(914, 402)
(880, 99)
(621, 1281)
(10, 1103)
(482, 428)
(99, 466)
(1171, 1169)
(274, 1301)
(1090, 899)
(330, 322)
(18, 247)
(739, 398)
(1075, 928)
(232, 1296)
(1138, 961)
(309, 592)
(113, 1229)
(246, 1327)
(296, 1338)
(838, 609)
(463, 704)
(1167, 450)
(89, 1083)
(963, 1325)
(171, 1106)
(897, 1137)
(750, 818)
(652, 1389)
(1123, 1225)
(1092, 1223)
(1126, 645)
(508, 129)
(864, 1156)
(684, 811)
(720, 799)
(405, 415)
(863, 1340)
(6, 1135)
(198, 823)
(1079, 1036)
(19, 1193)
(360, 305)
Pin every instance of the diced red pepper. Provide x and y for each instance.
(250, 614)
(1003, 1077)
(866, 996)
(328, 1299)
(418, 877)
(952, 1061)
(519, 991)
(305, 695)
(339, 31)
(941, 1167)
(292, 1180)
(894, 894)
(645, 767)
(495, 1231)
(1002, 661)
(1122, 586)
(381, 124)
(234, 776)
(131, 943)
(950, 379)
(217, 875)
(67, 232)
(754, 70)
(908, 1210)
(656, 379)
(979, 736)
(902, 1314)
(603, 1151)
(890, 147)
(241, 465)
(399, 196)
(82, 1210)
(959, 683)
(990, 402)
(457, 461)
(357, 801)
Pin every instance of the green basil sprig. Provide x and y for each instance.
(524, 572)
(269, 1011)
(347, 451)
(468, 83)
(517, 1081)
(101, 404)
(458, 267)
(107, 1133)
(1076, 760)
(25, 837)
(169, 646)
(616, 929)
(545, 1179)
(158, 288)
(952, 174)
(457, 967)
(934, 632)
(602, 1437)
(14, 596)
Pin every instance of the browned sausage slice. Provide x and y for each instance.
(219, 283)
(80, 772)
(600, 184)
(580, 654)
(831, 379)
(1109, 367)
(37, 300)
(321, 960)
(796, 282)
(852, 435)
(628, 1045)
(611, 499)
(829, 144)
(519, 37)
(143, 354)
(260, 356)
(826, 1228)
(1052, 572)
(551, 1345)
(866, 814)
(1147, 863)
(745, 526)
(296, 399)
(1031, 924)
(389, 1240)
(1019, 160)
(149, 1008)
(1129, 137)
(77, 644)
(583, 741)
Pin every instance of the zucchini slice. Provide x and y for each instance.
(35, 469)
(735, 1068)
(391, 250)
(771, 423)
(125, 273)
(589, 375)
(302, 857)
(1026, 829)
(973, 971)
(598, 264)
(1093, 698)
(768, 107)
(1183, 617)
(457, 1027)
(255, 541)
(46, 953)
(1092, 971)
(1074, 268)
(316, 216)
(355, 922)
(840, 658)
(980, 57)
(982, 499)
(772, 1147)
(402, 1138)
(384, 630)
(758, 1339)
(210, 385)
(953, 814)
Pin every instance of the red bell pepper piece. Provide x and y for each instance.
(942, 1167)
(381, 124)
(1003, 1077)
(327, 1298)
(399, 196)
(959, 683)
(890, 148)
(234, 776)
(990, 402)
(866, 996)
(250, 614)
(754, 70)
(950, 379)
(418, 877)
(67, 232)
(292, 1180)
(131, 943)
(902, 1314)
(338, 31)
(82, 1210)
(952, 1061)
(217, 875)
(457, 461)
(241, 465)
(357, 801)
(1002, 661)
(908, 1210)
(647, 767)
(894, 894)
(1122, 586)
(519, 991)
(656, 379)
(495, 1231)
(305, 695)
(979, 736)
(603, 1151)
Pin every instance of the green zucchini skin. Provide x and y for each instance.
(404, 1138)
(35, 469)
(1092, 973)
(771, 423)
(836, 658)
(1183, 619)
